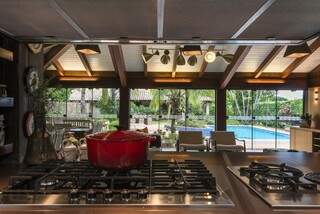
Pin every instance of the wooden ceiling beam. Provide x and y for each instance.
(54, 54)
(174, 63)
(231, 69)
(274, 52)
(85, 63)
(118, 63)
(58, 67)
(204, 63)
(298, 61)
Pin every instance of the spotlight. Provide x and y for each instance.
(180, 59)
(192, 60)
(147, 56)
(210, 56)
(226, 57)
(165, 59)
(296, 51)
(88, 49)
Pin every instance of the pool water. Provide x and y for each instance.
(242, 132)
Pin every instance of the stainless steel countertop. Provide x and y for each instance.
(246, 201)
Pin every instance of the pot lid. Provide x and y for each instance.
(122, 135)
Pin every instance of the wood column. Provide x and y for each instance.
(124, 108)
(221, 110)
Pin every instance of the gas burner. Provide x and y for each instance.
(313, 177)
(276, 177)
(176, 182)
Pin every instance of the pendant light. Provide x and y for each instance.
(180, 59)
(210, 56)
(192, 60)
(147, 56)
(165, 59)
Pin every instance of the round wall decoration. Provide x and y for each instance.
(29, 126)
(35, 47)
(32, 80)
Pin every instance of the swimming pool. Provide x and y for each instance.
(242, 132)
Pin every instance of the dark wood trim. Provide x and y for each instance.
(221, 110)
(174, 62)
(275, 51)
(314, 46)
(231, 69)
(118, 63)
(204, 63)
(58, 67)
(314, 77)
(54, 54)
(124, 109)
(85, 63)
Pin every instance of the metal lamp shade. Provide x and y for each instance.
(181, 60)
(165, 59)
(146, 57)
(192, 60)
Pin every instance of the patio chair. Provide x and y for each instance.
(190, 140)
(226, 141)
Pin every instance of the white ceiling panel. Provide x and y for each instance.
(254, 58)
(101, 62)
(71, 61)
(279, 63)
(132, 57)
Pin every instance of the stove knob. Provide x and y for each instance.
(125, 195)
(74, 195)
(91, 196)
(108, 195)
(142, 194)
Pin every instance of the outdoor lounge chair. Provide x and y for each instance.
(226, 141)
(191, 140)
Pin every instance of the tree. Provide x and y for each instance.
(58, 94)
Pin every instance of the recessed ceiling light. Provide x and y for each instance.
(191, 50)
(88, 49)
(296, 51)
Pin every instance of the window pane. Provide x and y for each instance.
(200, 115)
(106, 108)
(290, 109)
(57, 107)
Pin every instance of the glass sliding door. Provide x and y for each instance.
(289, 110)
(105, 108)
(172, 115)
(264, 119)
(144, 109)
(200, 111)
(239, 115)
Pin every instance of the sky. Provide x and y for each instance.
(291, 95)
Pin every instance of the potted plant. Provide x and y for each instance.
(306, 120)
(40, 147)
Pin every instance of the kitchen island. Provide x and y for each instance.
(245, 200)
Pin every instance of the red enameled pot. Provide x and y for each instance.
(117, 150)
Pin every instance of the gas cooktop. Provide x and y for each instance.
(157, 182)
(280, 185)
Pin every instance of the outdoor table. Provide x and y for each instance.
(80, 132)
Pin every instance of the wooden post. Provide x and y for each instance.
(221, 110)
(124, 108)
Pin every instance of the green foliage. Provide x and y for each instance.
(58, 94)
(107, 103)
